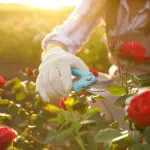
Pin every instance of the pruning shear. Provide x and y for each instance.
(90, 81)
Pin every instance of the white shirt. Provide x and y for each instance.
(77, 28)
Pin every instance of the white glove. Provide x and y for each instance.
(55, 78)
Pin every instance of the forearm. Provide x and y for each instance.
(77, 28)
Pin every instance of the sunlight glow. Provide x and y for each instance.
(52, 4)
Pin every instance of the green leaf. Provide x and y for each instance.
(23, 124)
(107, 135)
(4, 116)
(98, 97)
(147, 134)
(142, 82)
(52, 108)
(4, 102)
(138, 146)
(106, 146)
(63, 135)
(50, 137)
(146, 147)
(123, 140)
(116, 90)
(114, 125)
(75, 126)
(99, 121)
(92, 111)
(88, 122)
(120, 102)
(20, 96)
(15, 80)
(80, 142)
(12, 108)
(16, 87)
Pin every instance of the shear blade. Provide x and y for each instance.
(94, 89)
(97, 87)
(103, 81)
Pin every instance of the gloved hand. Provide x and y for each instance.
(55, 78)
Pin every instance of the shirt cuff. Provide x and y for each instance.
(64, 40)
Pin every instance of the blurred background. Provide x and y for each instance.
(24, 23)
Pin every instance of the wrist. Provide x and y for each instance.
(52, 46)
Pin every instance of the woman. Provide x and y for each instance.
(126, 21)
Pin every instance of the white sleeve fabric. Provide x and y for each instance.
(77, 28)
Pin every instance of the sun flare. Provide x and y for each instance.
(46, 4)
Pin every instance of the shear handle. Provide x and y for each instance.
(85, 79)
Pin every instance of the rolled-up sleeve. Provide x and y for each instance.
(77, 28)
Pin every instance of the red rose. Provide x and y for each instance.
(62, 104)
(1, 90)
(95, 73)
(146, 59)
(82, 93)
(133, 50)
(2, 81)
(139, 109)
(6, 137)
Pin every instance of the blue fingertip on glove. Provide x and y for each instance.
(85, 79)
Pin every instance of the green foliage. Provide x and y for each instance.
(147, 134)
(4, 116)
(43, 126)
(22, 31)
(116, 90)
(107, 135)
(120, 102)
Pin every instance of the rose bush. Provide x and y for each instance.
(43, 126)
